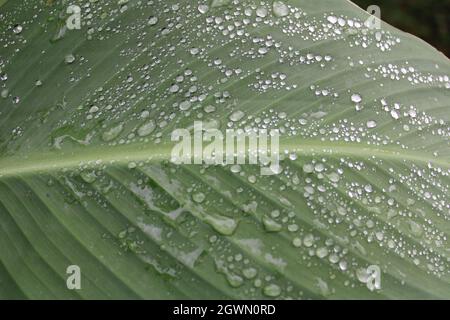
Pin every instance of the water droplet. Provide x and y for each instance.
(88, 176)
(185, 105)
(235, 168)
(146, 128)
(395, 115)
(308, 168)
(234, 280)
(112, 133)
(237, 115)
(250, 273)
(198, 197)
(132, 165)
(93, 109)
(322, 252)
(219, 3)
(4, 94)
(272, 290)
(152, 21)
(209, 109)
(371, 124)
(271, 225)
(297, 242)
(356, 98)
(416, 229)
(332, 19)
(308, 240)
(223, 225)
(261, 12)
(203, 8)
(70, 58)
(280, 9)
(17, 29)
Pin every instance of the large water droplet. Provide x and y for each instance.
(237, 115)
(280, 9)
(223, 225)
(112, 133)
(146, 128)
(152, 21)
(272, 290)
(203, 8)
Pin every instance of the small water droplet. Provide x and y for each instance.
(17, 29)
(70, 58)
(371, 124)
(198, 197)
(4, 94)
(356, 98)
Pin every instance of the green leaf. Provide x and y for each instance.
(86, 118)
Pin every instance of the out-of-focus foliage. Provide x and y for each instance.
(427, 19)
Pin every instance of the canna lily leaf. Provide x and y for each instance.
(93, 207)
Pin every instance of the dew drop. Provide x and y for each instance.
(371, 124)
(4, 94)
(272, 290)
(146, 128)
(185, 105)
(17, 29)
(261, 12)
(69, 59)
(356, 98)
(271, 225)
(237, 115)
(198, 197)
(280, 9)
(223, 225)
(152, 21)
(332, 19)
(112, 133)
(203, 8)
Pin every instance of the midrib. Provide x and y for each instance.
(97, 157)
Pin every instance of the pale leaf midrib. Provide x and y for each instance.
(97, 157)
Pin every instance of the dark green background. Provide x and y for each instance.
(427, 19)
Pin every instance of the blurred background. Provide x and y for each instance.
(427, 19)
